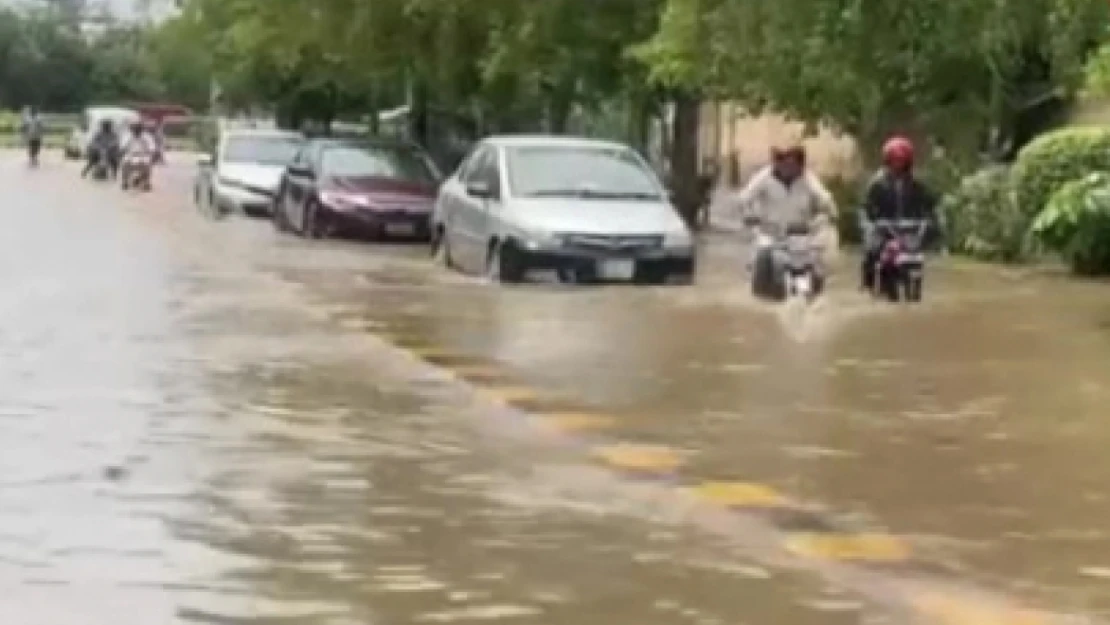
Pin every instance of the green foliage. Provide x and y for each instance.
(1076, 224)
(949, 71)
(982, 218)
(1054, 159)
(47, 61)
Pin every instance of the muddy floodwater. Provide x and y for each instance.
(208, 422)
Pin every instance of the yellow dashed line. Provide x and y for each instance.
(861, 547)
(951, 610)
(509, 394)
(477, 372)
(576, 421)
(739, 495)
(431, 353)
(639, 458)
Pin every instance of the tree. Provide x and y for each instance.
(946, 70)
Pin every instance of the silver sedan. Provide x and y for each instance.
(588, 210)
(243, 174)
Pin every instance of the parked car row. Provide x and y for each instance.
(584, 209)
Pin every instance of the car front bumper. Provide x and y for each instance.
(378, 223)
(656, 264)
(249, 202)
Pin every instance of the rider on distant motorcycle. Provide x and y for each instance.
(104, 145)
(893, 194)
(784, 194)
(137, 146)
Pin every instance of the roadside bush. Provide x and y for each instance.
(983, 219)
(848, 193)
(1076, 224)
(1054, 159)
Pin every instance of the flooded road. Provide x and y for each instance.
(207, 422)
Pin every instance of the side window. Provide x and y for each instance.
(489, 172)
(472, 163)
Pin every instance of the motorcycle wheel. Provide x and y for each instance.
(764, 282)
(890, 284)
(913, 290)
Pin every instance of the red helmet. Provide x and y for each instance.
(898, 152)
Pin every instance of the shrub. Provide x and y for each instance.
(1054, 159)
(1076, 224)
(983, 219)
(848, 193)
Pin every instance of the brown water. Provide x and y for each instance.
(202, 422)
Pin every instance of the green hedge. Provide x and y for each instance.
(1076, 224)
(999, 213)
(1054, 159)
(983, 219)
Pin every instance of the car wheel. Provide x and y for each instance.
(314, 226)
(277, 211)
(441, 248)
(503, 263)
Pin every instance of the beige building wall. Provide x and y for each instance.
(737, 144)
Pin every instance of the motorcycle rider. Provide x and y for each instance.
(895, 193)
(785, 193)
(137, 146)
(105, 144)
(33, 130)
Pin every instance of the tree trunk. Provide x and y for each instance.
(684, 157)
(419, 121)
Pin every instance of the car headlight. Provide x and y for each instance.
(678, 240)
(340, 200)
(543, 240)
(230, 183)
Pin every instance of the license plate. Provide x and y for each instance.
(910, 258)
(616, 269)
(400, 229)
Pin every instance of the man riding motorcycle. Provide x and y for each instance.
(786, 194)
(894, 194)
(138, 150)
(104, 145)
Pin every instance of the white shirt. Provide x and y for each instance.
(141, 145)
(777, 205)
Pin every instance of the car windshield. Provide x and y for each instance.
(580, 171)
(263, 150)
(378, 162)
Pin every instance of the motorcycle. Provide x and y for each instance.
(102, 164)
(900, 268)
(797, 276)
(136, 172)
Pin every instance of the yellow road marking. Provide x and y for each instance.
(477, 372)
(862, 547)
(430, 352)
(639, 458)
(952, 610)
(739, 495)
(509, 394)
(576, 421)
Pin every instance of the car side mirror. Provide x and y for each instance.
(479, 189)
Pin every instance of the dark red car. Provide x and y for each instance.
(362, 188)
